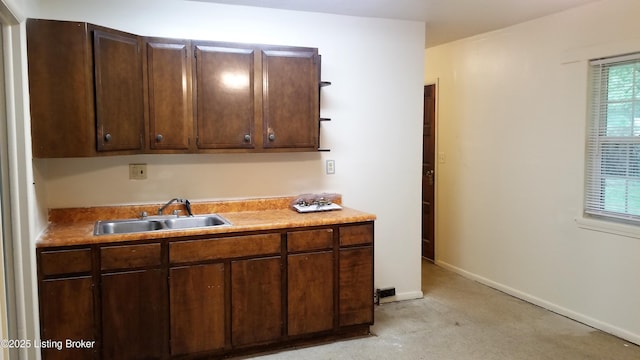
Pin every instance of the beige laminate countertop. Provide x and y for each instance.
(74, 226)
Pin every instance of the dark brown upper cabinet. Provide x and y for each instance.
(98, 91)
(169, 96)
(61, 89)
(118, 83)
(243, 87)
(225, 95)
(86, 93)
(290, 98)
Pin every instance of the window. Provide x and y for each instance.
(612, 187)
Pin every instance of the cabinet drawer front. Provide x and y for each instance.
(130, 256)
(310, 240)
(222, 248)
(65, 261)
(355, 235)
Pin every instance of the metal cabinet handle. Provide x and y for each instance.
(272, 136)
(159, 138)
(107, 137)
(247, 138)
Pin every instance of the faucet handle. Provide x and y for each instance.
(143, 215)
(176, 212)
(187, 205)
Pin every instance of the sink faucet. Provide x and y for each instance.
(187, 205)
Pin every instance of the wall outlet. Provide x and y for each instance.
(331, 167)
(137, 171)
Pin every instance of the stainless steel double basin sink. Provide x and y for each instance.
(158, 223)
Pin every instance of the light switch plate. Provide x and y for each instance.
(331, 167)
(137, 171)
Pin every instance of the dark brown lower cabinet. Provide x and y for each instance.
(356, 286)
(133, 317)
(256, 301)
(208, 297)
(197, 308)
(310, 293)
(67, 313)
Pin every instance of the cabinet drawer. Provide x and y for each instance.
(310, 240)
(130, 256)
(65, 261)
(224, 248)
(355, 235)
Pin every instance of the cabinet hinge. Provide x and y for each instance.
(195, 53)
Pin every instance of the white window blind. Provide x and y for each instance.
(612, 186)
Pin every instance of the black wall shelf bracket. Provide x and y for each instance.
(323, 84)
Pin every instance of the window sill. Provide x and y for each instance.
(610, 227)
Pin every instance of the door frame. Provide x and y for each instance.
(4, 275)
(8, 323)
(21, 214)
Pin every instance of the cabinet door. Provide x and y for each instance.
(60, 89)
(310, 292)
(197, 308)
(356, 286)
(225, 96)
(290, 99)
(66, 308)
(169, 94)
(256, 295)
(118, 83)
(133, 313)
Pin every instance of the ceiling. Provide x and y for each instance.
(446, 20)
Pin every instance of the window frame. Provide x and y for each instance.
(598, 136)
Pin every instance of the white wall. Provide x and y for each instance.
(376, 67)
(511, 124)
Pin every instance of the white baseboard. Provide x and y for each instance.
(600, 325)
(411, 295)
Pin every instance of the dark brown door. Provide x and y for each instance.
(428, 172)
(67, 313)
(197, 308)
(256, 294)
(290, 99)
(356, 286)
(310, 297)
(133, 315)
(169, 98)
(60, 89)
(118, 82)
(225, 96)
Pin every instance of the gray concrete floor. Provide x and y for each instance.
(461, 319)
